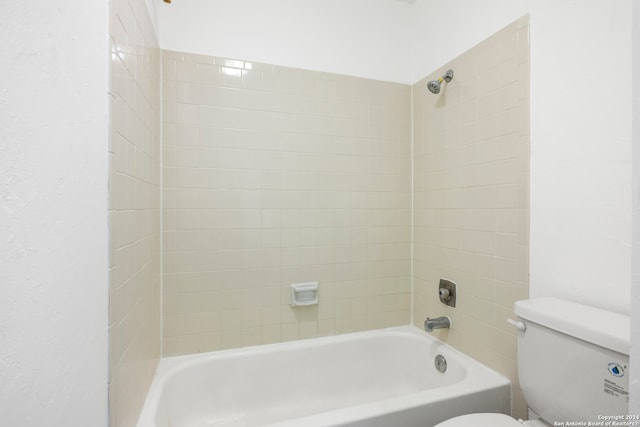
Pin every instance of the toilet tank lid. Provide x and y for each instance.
(601, 327)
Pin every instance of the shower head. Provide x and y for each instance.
(434, 85)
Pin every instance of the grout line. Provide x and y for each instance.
(161, 198)
(412, 217)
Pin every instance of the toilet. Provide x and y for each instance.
(573, 363)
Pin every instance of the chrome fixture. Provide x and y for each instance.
(440, 363)
(438, 323)
(434, 85)
(519, 324)
(447, 292)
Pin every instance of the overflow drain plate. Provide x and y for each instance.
(440, 363)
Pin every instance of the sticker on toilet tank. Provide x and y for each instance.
(616, 385)
(616, 370)
(615, 389)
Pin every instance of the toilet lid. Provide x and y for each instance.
(481, 420)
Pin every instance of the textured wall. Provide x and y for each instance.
(134, 210)
(471, 197)
(53, 222)
(274, 176)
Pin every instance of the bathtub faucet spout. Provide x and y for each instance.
(437, 323)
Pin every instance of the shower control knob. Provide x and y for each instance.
(447, 292)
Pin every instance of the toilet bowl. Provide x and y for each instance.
(572, 365)
(489, 420)
(481, 420)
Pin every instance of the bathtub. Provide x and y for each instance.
(369, 379)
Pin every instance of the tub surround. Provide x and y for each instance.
(471, 197)
(134, 209)
(274, 176)
(277, 175)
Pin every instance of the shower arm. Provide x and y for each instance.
(447, 76)
(434, 85)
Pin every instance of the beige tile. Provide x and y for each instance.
(134, 209)
(186, 71)
(480, 237)
(313, 179)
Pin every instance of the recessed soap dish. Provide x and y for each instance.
(303, 294)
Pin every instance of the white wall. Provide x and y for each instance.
(634, 381)
(444, 29)
(581, 151)
(53, 202)
(364, 38)
(153, 14)
(580, 133)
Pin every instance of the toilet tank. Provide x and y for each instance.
(573, 360)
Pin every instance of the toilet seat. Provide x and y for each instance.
(481, 420)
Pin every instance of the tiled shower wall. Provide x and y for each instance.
(134, 209)
(471, 195)
(275, 176)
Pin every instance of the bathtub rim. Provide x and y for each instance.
(169, 364)
(480, 376)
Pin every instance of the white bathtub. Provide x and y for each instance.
(378, 378)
